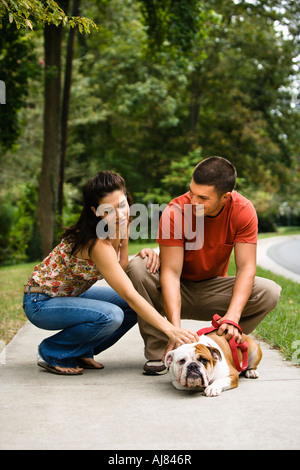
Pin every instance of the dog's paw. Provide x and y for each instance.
(251, 374)
(212, 390)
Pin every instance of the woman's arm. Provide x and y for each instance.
(124, 254)
(106, 260)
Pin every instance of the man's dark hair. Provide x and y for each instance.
(217, 172)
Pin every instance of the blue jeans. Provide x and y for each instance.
(90, 323)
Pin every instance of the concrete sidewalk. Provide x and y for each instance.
(118, 408)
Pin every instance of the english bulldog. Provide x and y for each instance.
(208, 365)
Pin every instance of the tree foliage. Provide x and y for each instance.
(52, 16)
(172, 22)
(25, 13)
(161, 85)
(18, 62)
(18, 65)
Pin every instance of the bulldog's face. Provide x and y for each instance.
(191, 365)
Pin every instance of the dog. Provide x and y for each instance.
(208, 365)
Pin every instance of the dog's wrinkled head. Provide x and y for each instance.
(191, 365)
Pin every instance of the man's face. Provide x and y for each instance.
(207, 196)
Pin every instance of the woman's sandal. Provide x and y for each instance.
(84, 365)
(52, 369)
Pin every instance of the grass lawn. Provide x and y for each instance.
(12, 280)
(281, 328)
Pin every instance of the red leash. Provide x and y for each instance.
(233, 344)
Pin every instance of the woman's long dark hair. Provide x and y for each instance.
(83, 233)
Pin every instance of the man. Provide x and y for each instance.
(193, 281)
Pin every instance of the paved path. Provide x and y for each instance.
(280, 255)
(287, 254)
(118, 408)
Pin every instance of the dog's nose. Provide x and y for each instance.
(192, 366)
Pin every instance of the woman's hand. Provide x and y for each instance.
(153, 261)
(179, 336)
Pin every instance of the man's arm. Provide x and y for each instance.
(245, 260)
(170, 272)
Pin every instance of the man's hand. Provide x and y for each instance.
(245, 260)
(229, 330)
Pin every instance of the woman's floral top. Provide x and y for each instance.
(62, 274)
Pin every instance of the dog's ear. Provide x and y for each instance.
(215, 354)
(169, 358)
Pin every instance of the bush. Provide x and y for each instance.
(16, 223)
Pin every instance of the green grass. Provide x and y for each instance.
(12, 317)
(136, 247)
(280, 328)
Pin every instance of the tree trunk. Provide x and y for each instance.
(48, 189)
(65, 110)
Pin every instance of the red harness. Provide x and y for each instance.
(233, 344)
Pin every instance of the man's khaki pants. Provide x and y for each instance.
(199, 301)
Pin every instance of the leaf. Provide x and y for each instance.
(29, 24)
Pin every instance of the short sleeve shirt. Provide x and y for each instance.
(207, 248)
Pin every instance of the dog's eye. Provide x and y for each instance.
(203, 360)
(181, 362)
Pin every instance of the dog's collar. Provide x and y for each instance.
(233, 344)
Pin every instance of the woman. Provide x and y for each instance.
(60, 294)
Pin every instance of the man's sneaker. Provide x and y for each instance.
(156, 367)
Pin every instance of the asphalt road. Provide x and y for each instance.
(286, 254)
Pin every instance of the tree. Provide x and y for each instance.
(242, 88)
(18, 64)
(172, 23)
(150, 98)
(65, 110)
(56, 108)
(49, 13)
(127, 107)
(49, 179)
